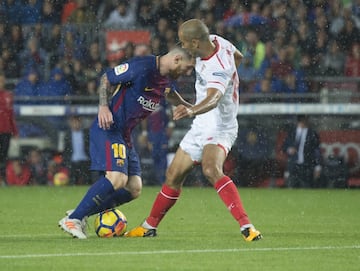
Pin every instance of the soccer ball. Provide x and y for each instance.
(110, 223)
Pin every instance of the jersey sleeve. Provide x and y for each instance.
(218, 79)
(219, 73)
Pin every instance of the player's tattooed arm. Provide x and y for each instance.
(104, 89)
(105, 117)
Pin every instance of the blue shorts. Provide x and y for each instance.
(110, 152)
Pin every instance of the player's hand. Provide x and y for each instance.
(105, 117)
(181, 111)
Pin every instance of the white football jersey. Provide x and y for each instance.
(218, 71)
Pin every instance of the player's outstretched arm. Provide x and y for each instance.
(209, 103)
(105, 117)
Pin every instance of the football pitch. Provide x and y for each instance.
(302, 229)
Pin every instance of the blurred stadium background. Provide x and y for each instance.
(301, 57)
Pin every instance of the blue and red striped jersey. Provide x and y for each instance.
(140, 88)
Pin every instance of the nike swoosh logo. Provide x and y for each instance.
(148, 89)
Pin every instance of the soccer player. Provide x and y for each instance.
(136, 89)
(213, 130)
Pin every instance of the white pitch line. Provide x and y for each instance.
(23, 256)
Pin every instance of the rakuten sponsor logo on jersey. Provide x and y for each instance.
(147, 104)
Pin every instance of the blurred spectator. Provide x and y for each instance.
(17, 173)
(11, 64)
(34, 56)
(123, 16)
(237, 37)
(4, 33)
(306, 67)
(104, 9)
(349, 14)
(37, 31)
(159, 130)
(51, 44)
(76, 152)
(305, 41)
(82, 14)
(12, 12)
(232, 10)
(333, 61)
(301, 81)
(31, 12)
(352, 64)
(256, 47)
(302, 147)
(247, 73)
(7, 125)
(49, 16)
(145, 14)
(283, 66)
(321, 24)
(57, 87)
(91, 88)
(68, 7)
(93, 55)
(246, 18)
(297, 14)
(264, 87)
(335, 172)
(162, 27)
(253, 153)
(355, 8)
(38, 166)
(337, 19)
(56, 91)
(279, 9)
(16, 40)
(289, 85)
(319, 51)
(142, 50)
(29, 85)
(77, 76)
(270, 58)
(71, 46)
(172, 11)
(283, 27)
(55, 166)
(348, 35)
(156, 45)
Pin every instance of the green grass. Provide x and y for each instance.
(303, 230)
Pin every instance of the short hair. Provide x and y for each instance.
(179, 50)
(302, 118)
(195, 29)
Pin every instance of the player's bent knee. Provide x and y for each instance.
(135, 190)
(134, 186)
(212, 173)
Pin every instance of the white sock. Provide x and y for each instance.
(243, 227)
(147, 226)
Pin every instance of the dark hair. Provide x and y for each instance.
(302, 118)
